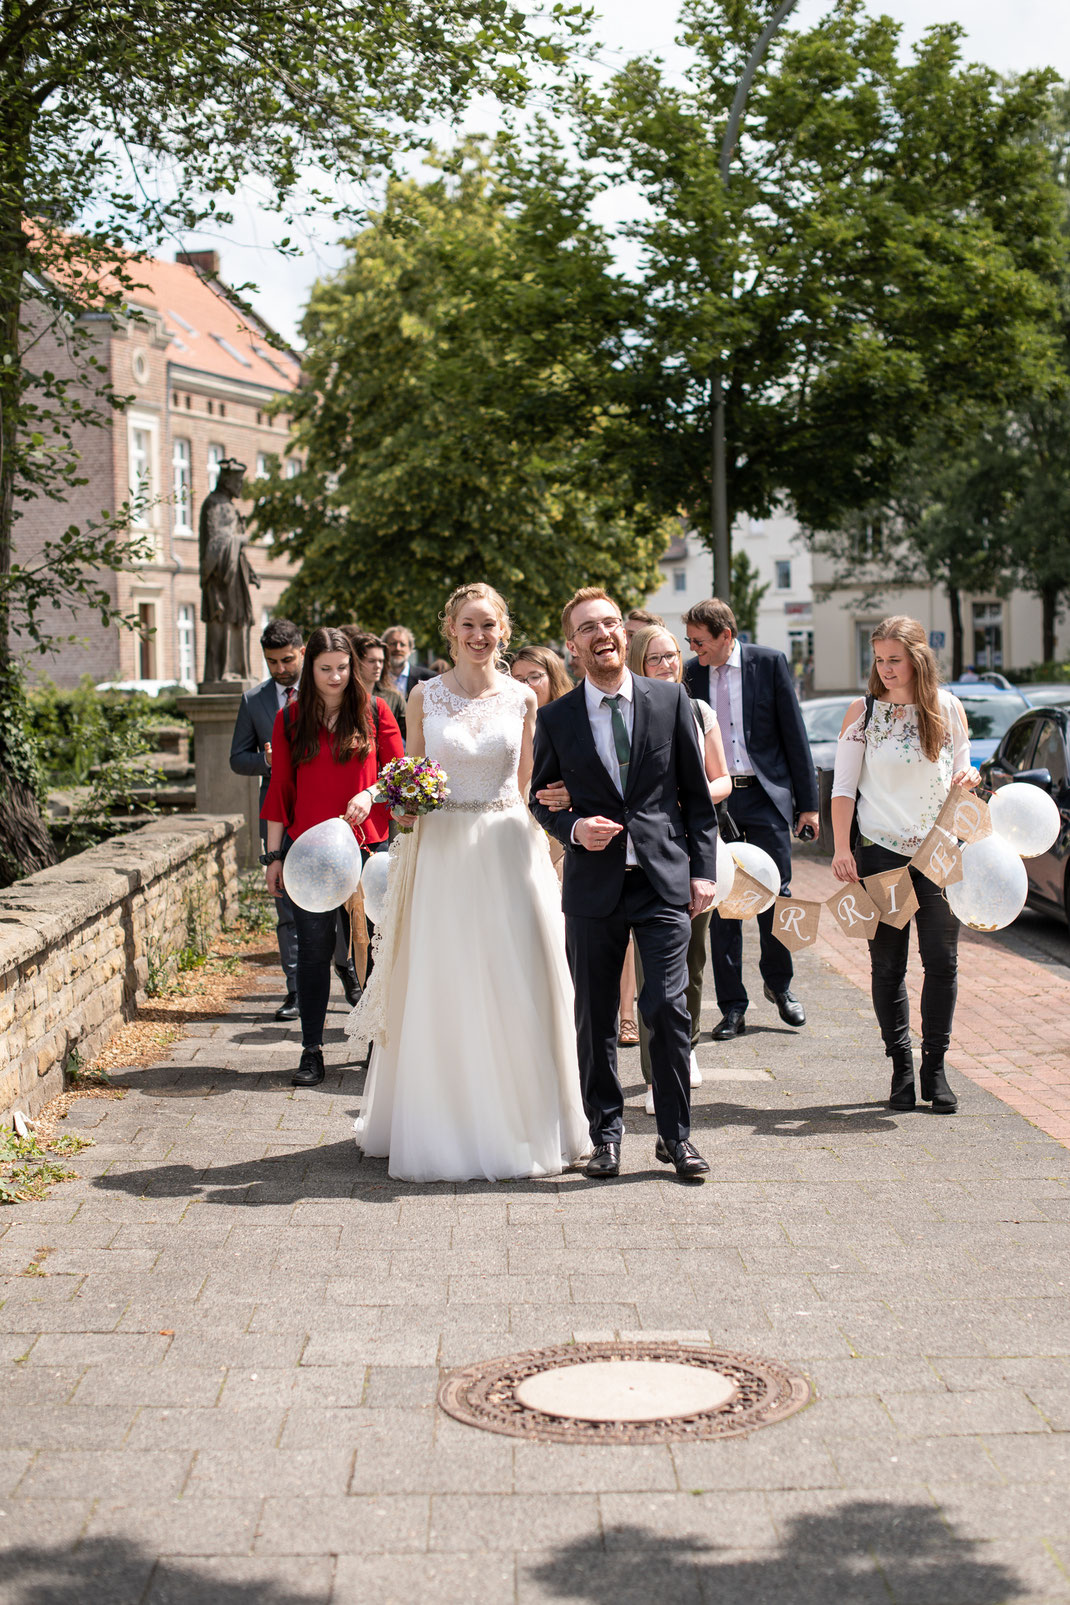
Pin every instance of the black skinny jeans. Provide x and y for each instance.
(316, 937)
(938, 945)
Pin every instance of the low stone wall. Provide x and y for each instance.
(78, 942)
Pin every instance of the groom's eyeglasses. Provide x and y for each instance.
(594, 625)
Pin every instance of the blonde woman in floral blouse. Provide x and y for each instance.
(900, 751)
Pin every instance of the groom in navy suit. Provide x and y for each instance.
(774, 790)
(641, 840)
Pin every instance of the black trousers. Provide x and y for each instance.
(596, 950)
(317, 936)
(762, 823)
(938, 947)
(285, 930)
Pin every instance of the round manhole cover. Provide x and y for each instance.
(623, 1392)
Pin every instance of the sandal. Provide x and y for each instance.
(628, 1035)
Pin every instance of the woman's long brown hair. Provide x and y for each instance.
(932, 726)
(551, 665)
(351, 736)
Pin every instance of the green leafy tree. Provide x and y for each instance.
(884, 256)
(747, 594)
(452, 418)
(124, 125)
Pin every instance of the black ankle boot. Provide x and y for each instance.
(934, 1087)
(902, 1093)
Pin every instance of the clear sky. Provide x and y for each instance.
(1010, 35)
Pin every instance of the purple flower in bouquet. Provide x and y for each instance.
(412, 786)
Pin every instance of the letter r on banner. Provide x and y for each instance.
(795, 922)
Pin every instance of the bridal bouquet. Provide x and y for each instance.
(412, 786)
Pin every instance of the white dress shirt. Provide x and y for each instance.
(726, 696)
(601, 717)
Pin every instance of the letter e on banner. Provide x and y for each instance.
(894, 894)
(795, 922)
(965, 815)
(854, 911)
(939, 858)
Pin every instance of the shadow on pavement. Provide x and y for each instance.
(862, 1553)
(118, 1571)
(802, 1120)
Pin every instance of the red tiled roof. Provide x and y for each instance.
(208, 331)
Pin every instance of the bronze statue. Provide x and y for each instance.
(226, 575)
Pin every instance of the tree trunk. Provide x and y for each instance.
(25, 842)
(1049, 602)
(954, 598)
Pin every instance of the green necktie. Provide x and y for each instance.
(621, 743)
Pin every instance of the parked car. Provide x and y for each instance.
(1036, 749)
(990, 711)
(1055, 695)
(822, 717)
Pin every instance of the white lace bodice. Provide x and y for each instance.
(477, 742)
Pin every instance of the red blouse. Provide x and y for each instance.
(322, 789)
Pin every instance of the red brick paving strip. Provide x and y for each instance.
(1012, 1020)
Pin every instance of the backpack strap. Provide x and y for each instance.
(870, 701)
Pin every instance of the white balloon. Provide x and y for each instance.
(992, 890)
(322, 868)
(1026, 817)
(726, 871)
(374, 877)
(756, 862)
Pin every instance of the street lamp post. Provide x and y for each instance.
(722, 555)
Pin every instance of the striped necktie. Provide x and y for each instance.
(621, 744)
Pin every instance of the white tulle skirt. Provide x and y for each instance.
(473, 1073)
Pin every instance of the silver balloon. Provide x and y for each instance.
(322, 868)
(1026, 818)
(992, 890)
(726, 871)
(374, 879)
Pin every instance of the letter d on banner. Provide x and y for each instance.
(795, 922)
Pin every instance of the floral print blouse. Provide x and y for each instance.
(899, 790)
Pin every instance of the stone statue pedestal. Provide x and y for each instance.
(212, 713)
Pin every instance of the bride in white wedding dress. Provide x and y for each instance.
(470, 1004)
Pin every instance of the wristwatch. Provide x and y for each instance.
(272, 858)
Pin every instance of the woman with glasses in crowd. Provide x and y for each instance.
(655, 653)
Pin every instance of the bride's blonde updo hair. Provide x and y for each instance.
(475, 593)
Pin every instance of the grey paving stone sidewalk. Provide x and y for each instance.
(224, 1389)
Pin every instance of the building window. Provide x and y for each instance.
(783, 575)
(146, 641)
(189, 403)
(182, 479)
(216, 453)
(988, 635)
(864, 650)
(222, 410)
(679, 579)
(293, 467)
(263, 465)
(211, 408)
(141, 447)
(187, 643)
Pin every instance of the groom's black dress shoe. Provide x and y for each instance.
(605, 1161)
(684, 1155)
(789, 1008)
(287, 1009)
(350, 984)
(309, 1072)
(733, 1023)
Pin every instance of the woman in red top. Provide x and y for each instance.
(325, 761)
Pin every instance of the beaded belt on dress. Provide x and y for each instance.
(495, 806)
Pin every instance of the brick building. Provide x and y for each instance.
(202, 377)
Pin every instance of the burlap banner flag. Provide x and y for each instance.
(965, 815)
(746, 898)
(894, 894)
(795, 922)
(939, 858)
(854, 911)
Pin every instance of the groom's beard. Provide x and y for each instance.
(605, 672)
